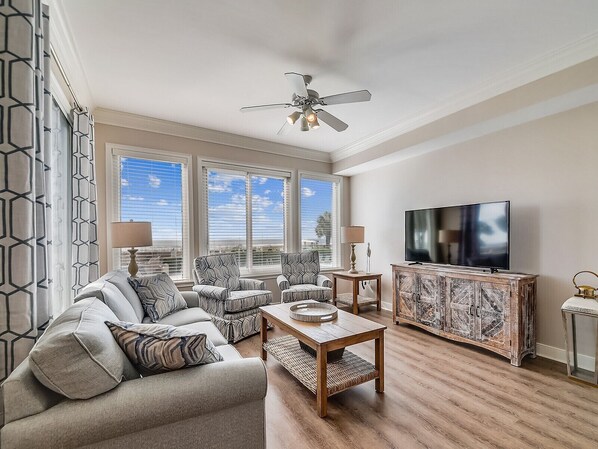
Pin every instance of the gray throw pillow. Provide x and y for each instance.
(77, 356)
(158, 348)
(158, 294)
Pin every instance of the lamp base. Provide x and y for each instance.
(133, 267)
(353, 258)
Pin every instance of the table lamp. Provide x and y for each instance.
(132, 234)
(352, 235)
(449, 236)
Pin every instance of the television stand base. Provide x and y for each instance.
(495, 311)
(493, 270)
(415, 263)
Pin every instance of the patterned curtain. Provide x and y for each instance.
(86, 254)
(25, 223)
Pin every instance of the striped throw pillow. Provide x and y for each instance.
(158, 348)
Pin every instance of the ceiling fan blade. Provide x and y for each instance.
(347, 97)
(298, 83)
(284, 129)
(265, 106)
(331, 120)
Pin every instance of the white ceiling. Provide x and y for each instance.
(198, 62)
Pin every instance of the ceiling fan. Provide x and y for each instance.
(308, 103)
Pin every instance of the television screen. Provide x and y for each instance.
(474, 235)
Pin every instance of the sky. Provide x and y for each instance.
(227, 207)
(151, 190)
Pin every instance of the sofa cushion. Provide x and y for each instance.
(302, 292)
(228, 353)
(158, 294)
(185, 316)
(77, 356)
(300, 268)
(159, 348)
(219, 270)
(110, 295)
(120, 280)
(208, 328)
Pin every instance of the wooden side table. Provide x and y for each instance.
(356, 278)
(570, 309)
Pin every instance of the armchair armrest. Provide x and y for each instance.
(142, 404)
(211, 291)
(283, 282)
(252, 284)
(323, 281)
(191, 298)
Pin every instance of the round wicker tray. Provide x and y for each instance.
(313, 312)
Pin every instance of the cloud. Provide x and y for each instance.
(262, 180)
(267, 192)
(221, 182)
(154, 181)
(124, 182)
(162, 202)
(259, 203)
(234, 210)
(306, 192)
(134, 198)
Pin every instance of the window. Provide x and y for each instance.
(247, 214)
(320, 217)
(151, 186)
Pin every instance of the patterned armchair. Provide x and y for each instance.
(232, 302)
(301, 278)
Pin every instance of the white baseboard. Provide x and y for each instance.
(553, 353)
(386, 306)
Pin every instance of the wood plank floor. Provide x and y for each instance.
(438, 394)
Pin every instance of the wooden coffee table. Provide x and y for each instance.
(318, 375)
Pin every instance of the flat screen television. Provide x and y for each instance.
(472, 235)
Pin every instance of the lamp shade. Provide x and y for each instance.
(131, 234)
(352, 234)
(449, 236)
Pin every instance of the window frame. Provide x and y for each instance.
(162, 156)
(248, 170)
(336, 251)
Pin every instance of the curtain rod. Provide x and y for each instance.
(64, 77)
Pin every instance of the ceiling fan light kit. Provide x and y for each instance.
(305, 99)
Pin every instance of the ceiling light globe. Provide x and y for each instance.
(293, 117)
(304, 124)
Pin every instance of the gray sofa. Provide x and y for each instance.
(192, 407)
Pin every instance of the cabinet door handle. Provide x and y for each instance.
(470, 311)
(477, 311)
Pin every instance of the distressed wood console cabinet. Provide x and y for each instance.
(494, 311)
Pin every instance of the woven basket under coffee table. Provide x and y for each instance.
(320, 377)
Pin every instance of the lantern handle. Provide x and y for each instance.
(585, 271)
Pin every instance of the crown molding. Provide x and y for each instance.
(547, 64)
(66, 50)
(143, 123)
(570, 100)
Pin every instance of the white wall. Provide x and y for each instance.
(548, 169)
